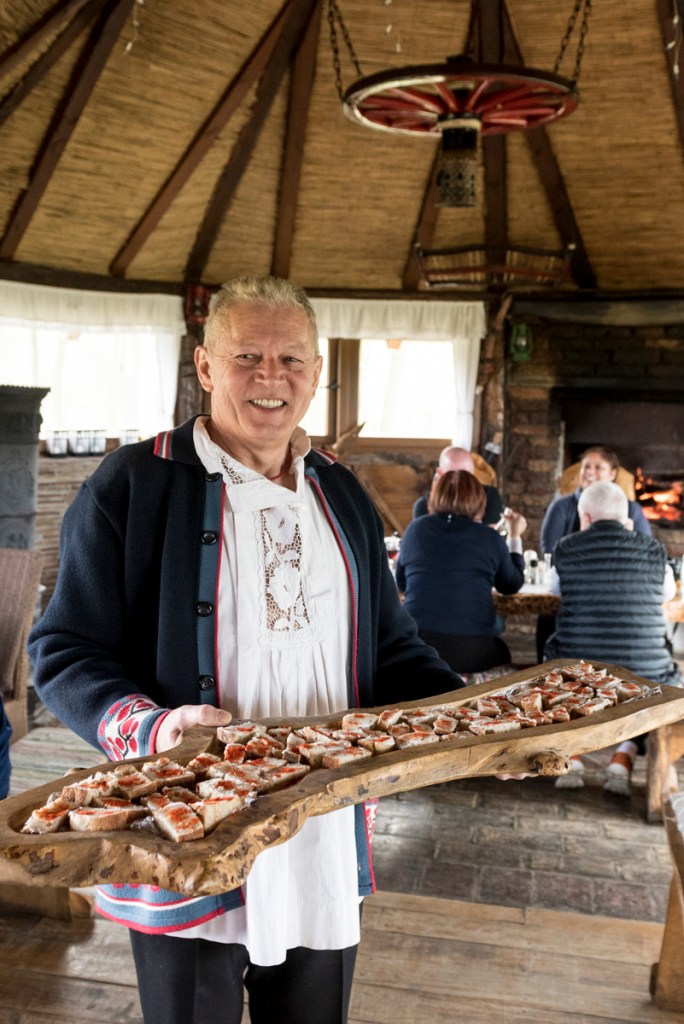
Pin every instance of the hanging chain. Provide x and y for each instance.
(582, 37)
(334, 19)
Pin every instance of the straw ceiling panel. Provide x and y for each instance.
(357, 198)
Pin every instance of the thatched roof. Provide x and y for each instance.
(179, 142)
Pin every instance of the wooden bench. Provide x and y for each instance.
(667, 977)
(665, 747)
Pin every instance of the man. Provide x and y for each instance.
(612, 581)
(227, 569)
(453, 458)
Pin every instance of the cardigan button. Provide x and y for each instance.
(208, 537)
(207, 682)
(204, 608)
(213, 477)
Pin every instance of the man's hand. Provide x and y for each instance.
(172, 727)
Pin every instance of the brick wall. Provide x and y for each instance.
(603, 363)
(58, 482)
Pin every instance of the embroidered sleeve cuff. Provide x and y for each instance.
(129, 727)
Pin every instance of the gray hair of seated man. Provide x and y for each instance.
(604, 500)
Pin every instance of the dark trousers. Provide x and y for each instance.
(194, 981)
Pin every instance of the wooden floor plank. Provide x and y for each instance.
(81, 973)
(548, 930)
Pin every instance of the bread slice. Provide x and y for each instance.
(168, 773)
(132, 783)
(175, 820)
(104, 819)
(90, 790)
(202, 763)
(346, 756)
(214, 809)
(49, 818)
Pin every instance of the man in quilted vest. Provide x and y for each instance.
(612, 581)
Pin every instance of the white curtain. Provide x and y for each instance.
(466, 361)
(462, 323)
(109, 359)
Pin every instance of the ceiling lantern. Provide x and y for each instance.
(460, 101)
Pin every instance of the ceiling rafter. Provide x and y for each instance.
(224, 190)
(424, 230)
(53, 21)
(491, 38)
(84, 79)
(42, 66)
(555, 189)
(301, 84)
(205, 138)
(489, 23)
(665, 10)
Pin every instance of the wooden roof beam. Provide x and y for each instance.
(224, 190)
(52, 22)
(96, 51)
(492, 16)
(301, 84)
(552, 181)
(49, 58)
(205, 138)
(424, 230)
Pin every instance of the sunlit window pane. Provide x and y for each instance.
(406, 389)
(97, 380)
(315, 423)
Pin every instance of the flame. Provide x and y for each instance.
(660, 504)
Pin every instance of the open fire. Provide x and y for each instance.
(661, 498)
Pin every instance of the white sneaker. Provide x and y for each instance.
(573, 779)
(618, 781)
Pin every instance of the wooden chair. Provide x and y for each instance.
(568, 481)
(19, 581)
(483, 471)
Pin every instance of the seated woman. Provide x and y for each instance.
(448, 563)
(598, 464)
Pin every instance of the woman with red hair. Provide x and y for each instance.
(448, 564)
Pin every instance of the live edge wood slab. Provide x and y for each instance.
(223, 859)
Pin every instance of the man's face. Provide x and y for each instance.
(595, 469)
(261, 371)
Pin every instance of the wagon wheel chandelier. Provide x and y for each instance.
(459, 101)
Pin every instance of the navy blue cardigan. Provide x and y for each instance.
(125, 615)
(132, 614)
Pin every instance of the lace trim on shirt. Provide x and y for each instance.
(281, 557)
(278, 538)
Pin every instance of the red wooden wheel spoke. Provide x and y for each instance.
(474, 100)
(450, 98)
(418, 98)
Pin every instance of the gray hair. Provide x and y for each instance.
(604, 501)
(272, 292)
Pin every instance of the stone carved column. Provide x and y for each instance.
(20, 421)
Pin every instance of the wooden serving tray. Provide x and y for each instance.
(223, 859)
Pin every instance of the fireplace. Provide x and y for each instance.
(648, 436)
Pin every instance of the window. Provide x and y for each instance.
(406, 388)
(114, 382)
(315, 423)
(110, 359)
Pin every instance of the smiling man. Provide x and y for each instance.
(261, 365)
(224, 569)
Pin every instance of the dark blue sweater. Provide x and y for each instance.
(124, 615)
(447, 567)
(132, 614)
